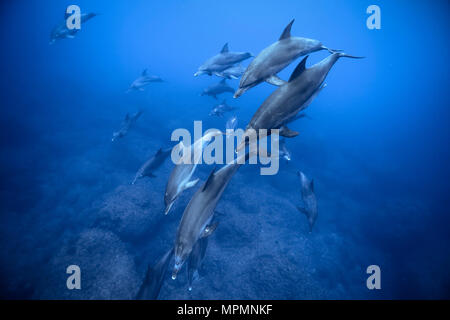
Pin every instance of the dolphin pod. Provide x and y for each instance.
(275, 58)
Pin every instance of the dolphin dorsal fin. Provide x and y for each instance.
(210, 178)
(299, 69)
(287, 31)
(144, 73)
(224, 48)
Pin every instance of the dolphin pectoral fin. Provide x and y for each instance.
(190, 184)
(302, 210)
(209, 229)
(166, 211)
(288, 133)
(274, 80)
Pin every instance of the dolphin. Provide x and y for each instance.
(154, 278)
(222, 61)
(196, 221)
(196, 259)
(275, 58)
(284, 152)
(152, 164)
(62, 32)
(233, 72)
(309, 200)
(231, 123)
(285, 103)
(217, 89)
(221, 109)
(126, 124)
(180, 177)
(143, 80)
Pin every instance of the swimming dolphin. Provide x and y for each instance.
(220, 109)
(181, 174)
(143, 80)
(222, 61)
(233, 72)
(217, 89)
(275, 58)
(309, 200)
(152, 164)
(284, 152)
(231, 123)
(196, 221)
(284, 104)
(62, 32)
(154, 278)
(196, 259)
(126, 125)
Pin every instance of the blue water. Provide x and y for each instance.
(376, 143)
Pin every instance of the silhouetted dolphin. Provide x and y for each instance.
(126, 125)
(284, 104)
(152, 164)
(196, 259)
(275, 58)
(181, 174)
(222, 61)
(196, 221)
(309, 200)
(154, 278)
(143, 80)
(62, 32)
(217, 89)
(233, 72)
(220, 109)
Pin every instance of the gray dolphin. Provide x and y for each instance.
(196, 259)
(62, 32)
(126, 125)
(146, 170)
(180, 177)
(233, 72)
(196, 221)
(275, 58)
(220, 109)
(154, 278)
(144, 80)
(222, 61)
(284, 152)
(284, 104)
(217, 89)
(309, 200)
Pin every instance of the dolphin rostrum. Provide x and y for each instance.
(144, 80)
(62, 32)
(196, 221)
(154, 278)
(126, 124)
(180, 177)
(220, 109)
(275, 58)
(221, 61)
(196, 259)
(284, 104)
(217, 89)
(146, 170)
(309, 200)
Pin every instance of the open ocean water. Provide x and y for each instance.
(375, 141)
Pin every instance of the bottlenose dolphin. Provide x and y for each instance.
(275, 58)
(222, 61)
(154, 278)
(181, 174)
(233, 72)
(220, 109)
(152, 164)
(309, 200)
(284, 152)
(196, 221)
(196, 259)
(62, 32)
(284, 104)
(231, 123)
(144, 80)
(126, 125)
(217, 89)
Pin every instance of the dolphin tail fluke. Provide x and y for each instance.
(342, 54)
